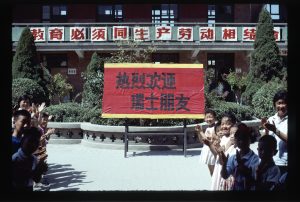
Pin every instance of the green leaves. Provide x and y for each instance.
(24, 86)
(265, 62)
(25, 62)
(237, 81)
(59, 87)
(263, 98)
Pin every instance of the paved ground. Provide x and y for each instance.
(75, 167)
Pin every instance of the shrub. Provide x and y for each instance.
(242, 112)
(251, 89)
(25, 62)
(237, 81)
(24, 86)
(67, 112)
(59, 87)
(263, 98)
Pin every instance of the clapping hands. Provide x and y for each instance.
(267, 125)
(223, 158)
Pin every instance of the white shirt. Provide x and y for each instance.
(281, 158)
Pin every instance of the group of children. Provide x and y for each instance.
(29, 139)
(226, 149)
(231, 162)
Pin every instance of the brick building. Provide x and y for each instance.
(218, 36)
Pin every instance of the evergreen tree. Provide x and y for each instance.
(93, 82)
(25, 62)
(265, 63)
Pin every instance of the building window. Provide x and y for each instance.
(273, 10)
(224, 13)
(165, 57)
(165, 14)
(211, 14)
(46, 14)
(220, 62)
(54, 13)
(55, 60)
(110, 13)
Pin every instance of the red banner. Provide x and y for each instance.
(143, 90)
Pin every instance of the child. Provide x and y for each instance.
(267, 173)
(206, 155)
(24, 102)
(43, 125)
(21, 120)
(227, 121)
(25, 168)
(229, 150)
(277, 126)
(243, 164)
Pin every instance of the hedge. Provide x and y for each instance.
(24, 86)
(263, 98)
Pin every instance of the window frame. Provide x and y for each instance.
(113, 17)
(53, 17)
(211, 18)
(162, 19)
(269, 9)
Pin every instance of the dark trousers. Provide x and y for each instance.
(283, 169)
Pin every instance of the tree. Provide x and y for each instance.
(265, 59)
(59, 87)
(93, 82)
(129, 52)
(25, 62)
(24, 86)
(265, 62)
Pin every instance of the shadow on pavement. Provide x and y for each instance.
(62, 177)
(164, 153)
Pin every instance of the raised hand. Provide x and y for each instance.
(41, 107)
(207, 140)
(51, 131)
(33, 108)
(223, 158)
(270, 126)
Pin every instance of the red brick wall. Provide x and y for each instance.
(82, 12)
(80, 65)
(185, 57)
(242, 61)
(202, 57)
(242, 13)
(30, 13)
(192, 12)
(137, 12)
(255, 10)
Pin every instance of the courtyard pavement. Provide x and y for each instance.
(77, 167)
